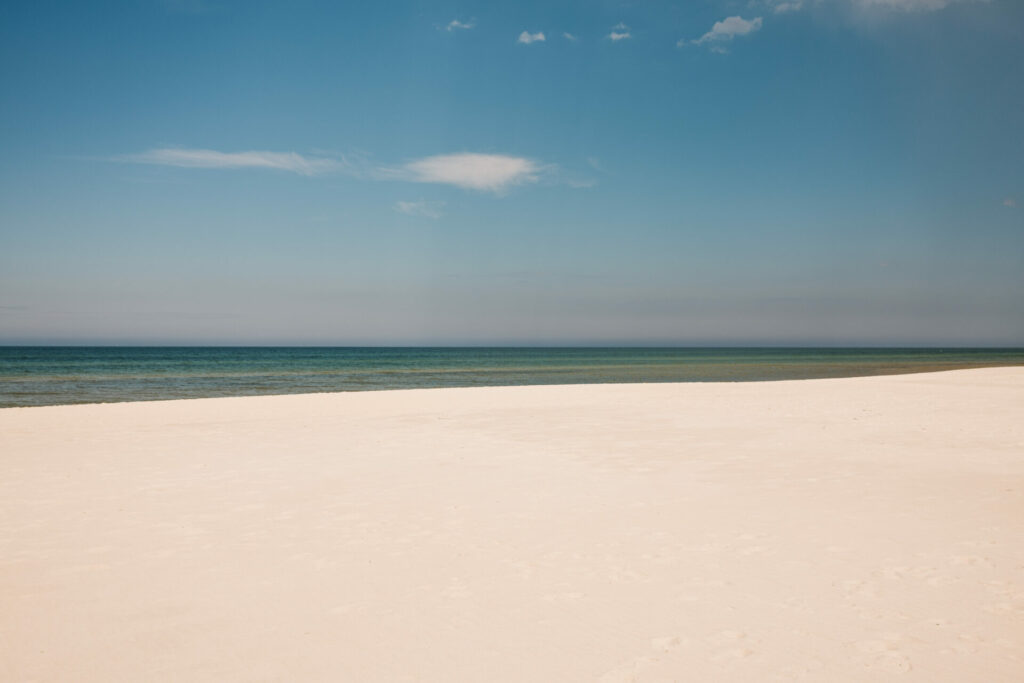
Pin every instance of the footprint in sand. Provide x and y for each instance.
(940, 581)
(751, 550)
(723, 648)
(1005, 607)
(884, 653)
(731, 654)
(859, 589)
(805, 669)
(627, 673)
(970, 561)
(667, 643)
(638, 668)
(571, 596)
(732, 646)
(456, 590)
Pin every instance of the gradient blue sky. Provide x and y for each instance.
(703, 172)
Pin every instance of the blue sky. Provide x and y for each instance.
(703, 172)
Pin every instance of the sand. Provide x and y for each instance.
(863, 529)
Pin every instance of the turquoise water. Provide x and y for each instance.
(35, 376)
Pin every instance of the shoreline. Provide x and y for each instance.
(515, 386)
(75, 376)
(846, 529)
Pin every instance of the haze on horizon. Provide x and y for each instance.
(739, 172)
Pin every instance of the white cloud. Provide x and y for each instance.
(783, 6)
(569, 36)
(208, 158)
(789, 6)
(455, 24)
(526, 37)
(420, 208)
(912, 5)
(470, 171)
(727, 29)
(1010, 202)
(619, 32)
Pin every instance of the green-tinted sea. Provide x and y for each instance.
(36, 376)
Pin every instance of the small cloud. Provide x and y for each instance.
(526, 37)
(420, 208)
(911, 5)
(1010, 202)
(209, 158)
(725, 30)
(472, 171)
(619, 32)
(906, 6)
(785, 7)
(469, 171)
(569, 36)
(455, 25)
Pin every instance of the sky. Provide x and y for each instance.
(701, 172)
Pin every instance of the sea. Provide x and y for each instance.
(51, 375)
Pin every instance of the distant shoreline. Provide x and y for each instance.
(33, 376)
(513, 386)
(540, 347)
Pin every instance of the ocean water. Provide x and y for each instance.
(36, 376)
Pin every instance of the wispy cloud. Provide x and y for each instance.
(907, 6)
(469, 171)
(420, 208)
(1010, 202)
(455, 25)
(208, 158)
(619, 32)
(526, 37)
(569, 36)
(912, 5)
(725, 30)
(787, 6)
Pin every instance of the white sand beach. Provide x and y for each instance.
(863, 529)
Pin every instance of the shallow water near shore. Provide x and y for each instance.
(36, 376)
